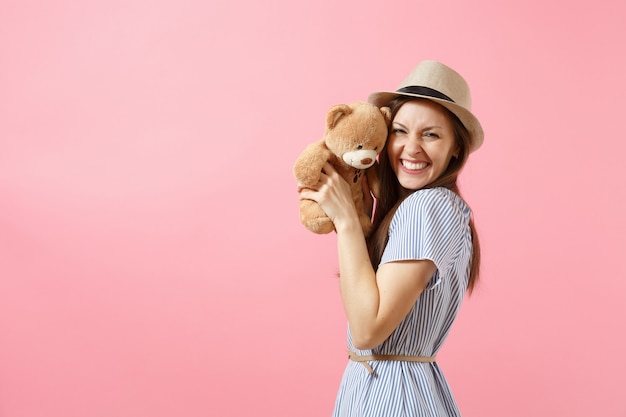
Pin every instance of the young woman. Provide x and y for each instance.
(402, 288)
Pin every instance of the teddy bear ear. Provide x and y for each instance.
(386, 111)
(336, 113)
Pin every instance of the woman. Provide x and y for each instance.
(402, 288)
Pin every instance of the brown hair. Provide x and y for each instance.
(391, 198)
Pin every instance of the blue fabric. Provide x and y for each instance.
(430, 224)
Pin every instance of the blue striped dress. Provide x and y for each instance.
(430, 224)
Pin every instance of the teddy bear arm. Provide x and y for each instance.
(308, 166)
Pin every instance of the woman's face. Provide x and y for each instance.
(421, 143)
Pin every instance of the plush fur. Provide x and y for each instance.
(355, 135)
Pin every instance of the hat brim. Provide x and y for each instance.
(470, 121)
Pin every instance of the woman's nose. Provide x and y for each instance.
(413, 146)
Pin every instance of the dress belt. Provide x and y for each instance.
(364, 359)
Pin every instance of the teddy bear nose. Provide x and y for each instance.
(366, 161)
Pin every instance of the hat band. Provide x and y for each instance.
(424, 91)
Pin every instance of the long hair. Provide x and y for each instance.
(391, 197)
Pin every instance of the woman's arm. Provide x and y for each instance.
(375, 303)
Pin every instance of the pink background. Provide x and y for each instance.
(151, 258)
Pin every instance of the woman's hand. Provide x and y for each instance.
(333, 194)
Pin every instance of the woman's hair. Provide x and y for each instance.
(389, 201)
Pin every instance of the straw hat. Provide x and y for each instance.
(435, 81)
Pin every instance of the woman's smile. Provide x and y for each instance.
(414, 166)
(420, 144)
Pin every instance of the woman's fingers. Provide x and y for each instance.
(331, 191)
(329, 170)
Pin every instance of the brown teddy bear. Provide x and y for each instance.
(355, 135)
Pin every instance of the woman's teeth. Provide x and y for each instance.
(414, 165)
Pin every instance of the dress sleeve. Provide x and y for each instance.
(430, 224)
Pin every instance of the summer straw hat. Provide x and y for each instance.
(434, 81)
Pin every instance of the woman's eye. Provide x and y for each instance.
(397, 131)
(431, 135)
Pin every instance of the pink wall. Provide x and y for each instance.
(151, 258)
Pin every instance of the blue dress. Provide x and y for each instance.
(430, 224)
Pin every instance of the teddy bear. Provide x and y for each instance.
(354, 136)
